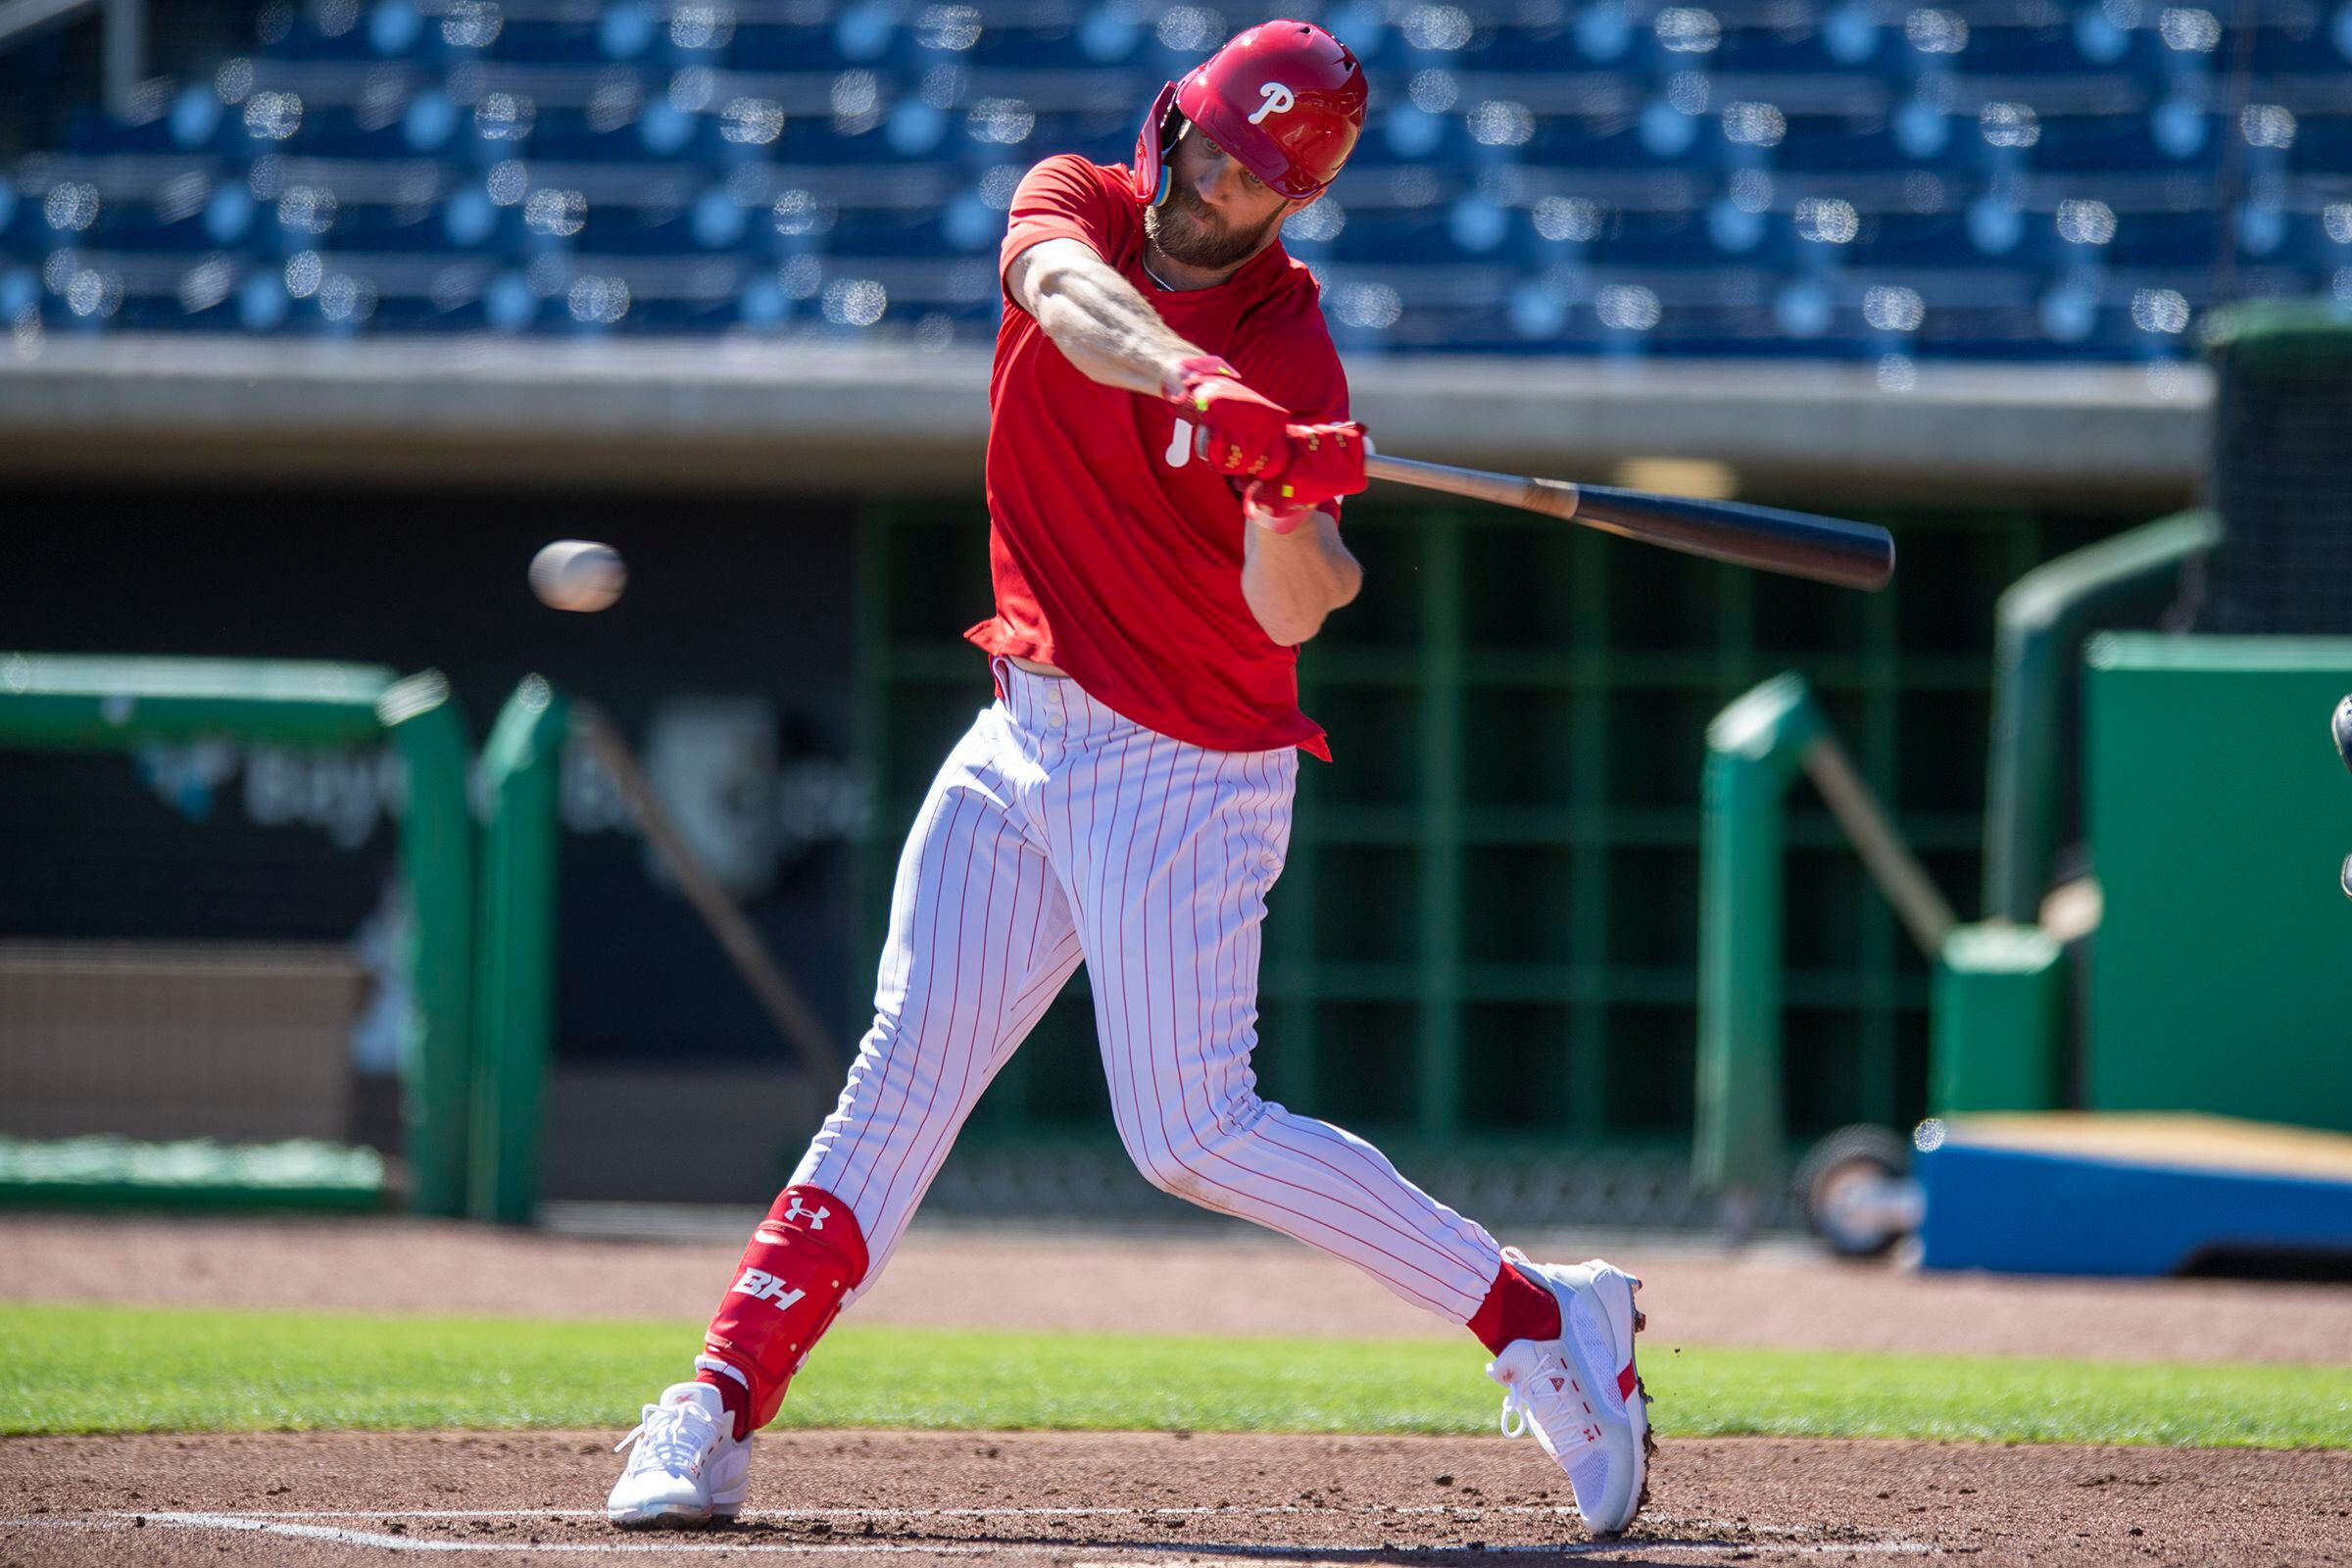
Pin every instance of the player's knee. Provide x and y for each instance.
(1163, 1162)
(1190, 1158)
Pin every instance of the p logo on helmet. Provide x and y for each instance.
(1278, 101)
(1285, 99)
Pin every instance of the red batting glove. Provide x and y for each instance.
(1239, 432)
(1324, 462)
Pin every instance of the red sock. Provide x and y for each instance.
(1516, 1307)
(731, 1392)
(802, 1261)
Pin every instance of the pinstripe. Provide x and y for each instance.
(966, 940)
(876, 1053)
(1139, 1028)
(1149, 860)
(874, 1137)
(1251, 1188)
(910, 1059)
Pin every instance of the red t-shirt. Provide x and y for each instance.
(1116, 553)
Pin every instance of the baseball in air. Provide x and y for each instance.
(579, 575)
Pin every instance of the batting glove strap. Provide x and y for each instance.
(1270, 511)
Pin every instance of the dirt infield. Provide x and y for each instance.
(1029, 1500)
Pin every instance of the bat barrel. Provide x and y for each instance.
(1850, 554)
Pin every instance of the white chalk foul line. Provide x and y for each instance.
(1779, 1541)
(385, 1542)
(1467, 1511)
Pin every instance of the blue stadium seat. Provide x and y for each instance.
(575, 38)
(390, 226)
(1907, 239)
(345, 131)
(1763, 51)
(1666, 141)
(1998, 50)
(2173, 137)
(1394, 236)
(1838, 144)
(1772, 168)
(1058, 46)
(168, 221)
(327, 32)
(2168, 239)
(2322, 145)
(1655, 239)
(770, 45)
(616, 229)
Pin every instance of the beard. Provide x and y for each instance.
(1186, 231)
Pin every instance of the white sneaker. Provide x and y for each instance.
(1581, 1392)
(687, 1469)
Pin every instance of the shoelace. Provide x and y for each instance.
(667, 1441)
(1519, 1412)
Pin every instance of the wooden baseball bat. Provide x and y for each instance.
(1851, 555)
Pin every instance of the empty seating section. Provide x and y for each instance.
(1859, 179)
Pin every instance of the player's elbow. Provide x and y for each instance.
(1348, 582)
(1295, 623)
(1289, 631)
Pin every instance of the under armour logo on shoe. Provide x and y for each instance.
(761, 1286)
(817, 1218)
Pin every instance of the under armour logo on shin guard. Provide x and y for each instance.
(815, 1218)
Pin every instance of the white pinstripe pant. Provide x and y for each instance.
(1058, 831)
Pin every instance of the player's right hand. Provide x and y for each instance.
(1323, 463)
(1239, 432)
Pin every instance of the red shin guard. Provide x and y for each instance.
(802, 1261)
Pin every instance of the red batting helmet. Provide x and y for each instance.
(1284, 98)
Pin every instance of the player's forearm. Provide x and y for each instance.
(1105, 328)
(1293, 581)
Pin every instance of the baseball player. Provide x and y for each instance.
(1166, 456)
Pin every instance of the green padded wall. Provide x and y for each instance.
(1487, 928)
(2218, 815)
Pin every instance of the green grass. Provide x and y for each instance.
(108, 1369)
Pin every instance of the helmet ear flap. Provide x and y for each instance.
(1150, 175)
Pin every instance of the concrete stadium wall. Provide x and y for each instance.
(745, 416)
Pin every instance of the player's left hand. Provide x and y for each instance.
(1237, 430)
